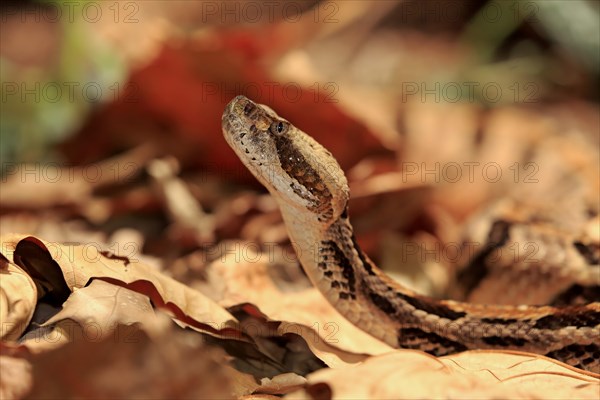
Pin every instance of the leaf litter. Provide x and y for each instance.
(88, 301)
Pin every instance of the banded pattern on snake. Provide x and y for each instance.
(312, 193)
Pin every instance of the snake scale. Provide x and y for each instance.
(312, 193)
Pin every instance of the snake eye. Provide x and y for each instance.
(278, 128)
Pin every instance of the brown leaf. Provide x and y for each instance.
(482, 375)
(18, 297)
(80, 264)
(102, 306)
(303, 312)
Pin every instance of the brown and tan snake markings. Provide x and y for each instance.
(472, 274)
(415, 338)
(332, 255)
(312, 193)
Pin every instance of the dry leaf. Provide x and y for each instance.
(491, 375)
(280, 384)
(102, 306)
(303, 312)
(79, 264)
(18, 297)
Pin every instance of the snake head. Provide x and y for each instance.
(297, 171)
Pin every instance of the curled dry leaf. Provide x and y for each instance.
(18, 296)
(304, 312)
(101, 306)
(79, 264)
(265, 352)
(482, 375)
(281, 384)
(485, 374)
(508, 365)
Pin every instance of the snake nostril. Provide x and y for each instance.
(248, 108)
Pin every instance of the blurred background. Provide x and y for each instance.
(110, 115)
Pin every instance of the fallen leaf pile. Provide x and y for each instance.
(75, 319)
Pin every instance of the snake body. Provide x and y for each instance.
(312, 193)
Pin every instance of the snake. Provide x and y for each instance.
(312, 193)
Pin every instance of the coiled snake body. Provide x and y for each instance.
(312, 193)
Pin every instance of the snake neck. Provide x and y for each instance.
(353, 284)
